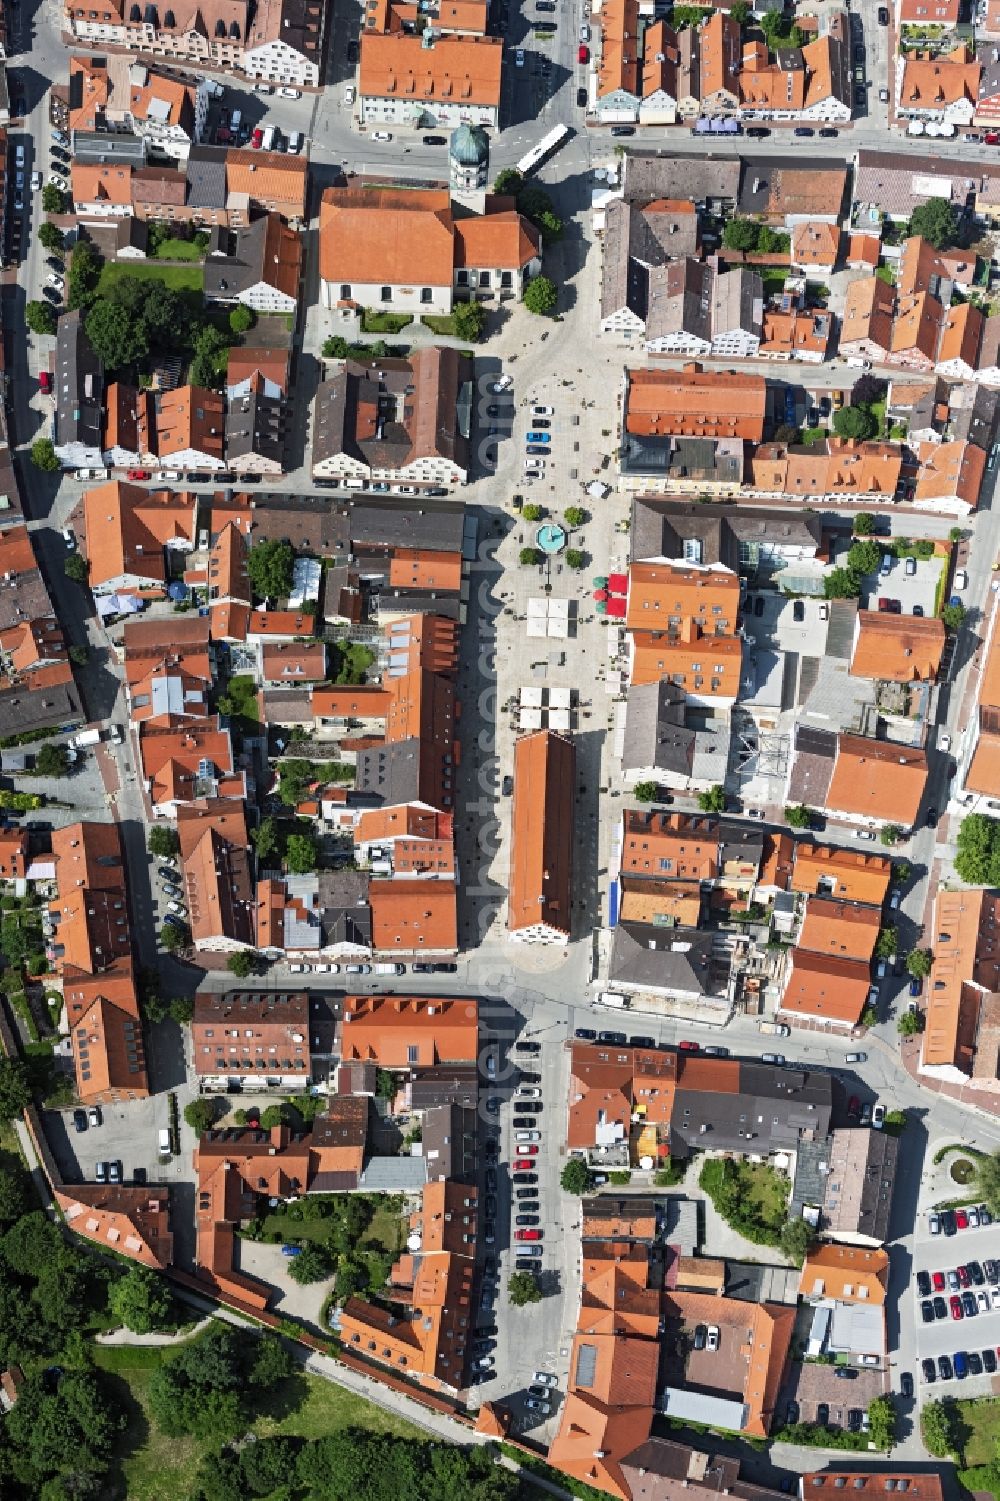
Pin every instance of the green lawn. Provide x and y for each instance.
(177, 278)
(179, 250)
(766, 1191)
(157, 1468)
(981, 1421)
(439, 323)
(814, 434)
(388, 1228)
(384, 323)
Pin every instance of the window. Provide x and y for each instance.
(386, 294)
(426, 294)
(692, 550)
(345, 291)
(507, 280)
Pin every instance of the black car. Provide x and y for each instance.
(700, 1336)
(422, 969)
(485, 1331)
(927, 1311)
(948, 1225)
(507, 786)
(490, 1267)
(525, 1177)
(804, 130)
(524, 1123)
(491, 1180)
(528, 1047)
(976, 1273)
(883, 15)
(791, 1412)
(642, 1042)
(435, 140)
(940, 1308)
(931, 818)
(846, 1373)
(924, 1284)
(990, 1361)
(525, 1264)
(758, 132)
(581, 98)
(969, 1305)
(352, 52)
(79, 1120)
(585, 1034)
(823, 1414)
(985, 1218)
(928, 1370)
(526, 1219)
(975, 1363)
(798, 611)
(618, 1038)
(444, 968)
(992, 1271)
(55, 264)
(828, 131)
(527, 1077)
(859, 52)
(855, 1417)
(758, 605)
(525, 1193)
(906, 1384)
(860, 98)
(944, 1368)
(623, 130)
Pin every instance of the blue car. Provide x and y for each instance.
(291, 1250)
(915, 986)
(539, 438)
(537, 448)
(961, 1364)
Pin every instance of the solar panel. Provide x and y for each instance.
(586, 1365)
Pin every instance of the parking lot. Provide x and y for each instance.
(822, 1395)
(965, 1258)
(909, 588)
(798, 625)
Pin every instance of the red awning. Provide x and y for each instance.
(616, 609)
(600, 593)
(618, 583)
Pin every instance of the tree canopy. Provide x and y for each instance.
(15, 1088)
(141, 1300)
(713, 801)
(270, 566)
(576, 1177)
(40, 317)
(162, 841)
(118, 336)
(523, 1288)
(936, 222)
(855, 422)
(541, 296)
(988, 1181)
(977, 856)
(44, 456)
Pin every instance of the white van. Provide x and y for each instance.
(961, 579)
(294, 141)
(164, 1142)
(235, 120)
(389, 969)
(267, 139)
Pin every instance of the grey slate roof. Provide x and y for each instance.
(416, 408)
(774, 1109)
(716, 460)
(98, 146)
(381, 526)
(672, 959)
(660, 528)
(637, 238)
(391, 771)
(79, 383)
(23, 709)
(655, 733)
(652, 174)
(206, 177)
(254, 426)
(450, 1141)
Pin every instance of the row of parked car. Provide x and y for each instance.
(963, 1363)
(950, 1221)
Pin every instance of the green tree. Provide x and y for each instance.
(864, 557)
(40, 317)
(531, 512)
(896, 1121)
(120, 340)
(270, 566)
(882, 1422)
(13, 1196)
(885, 944)
(173, 938)
(240, 319)
(53, 199)
(936, 222)
(541, 296)
(939, 1422)
(266, 839)
(84, 274)
(312, 1264)
(43, 456)
(266, 1467)
(741, 234)
(956, 534)
(798, 816)
(891, 833)
(529, 556)
(740, 12)
(574, 559)
(386, 1084)
(919, 961)
(910, 1024)
(162, 841)
(977, 856)
(645, 792)
(15, 1088)
(51, 237)
(242, 963)
(574, 516)
(854, 422)
(713, 801)
(65, 1430)
(52, 761)
(141, 1301)
(75, 567)
(576, 1177)
(988, 1181)
(841, 583)
(79, 654)
(272, 1361)
(508, 182)
(953, 616)
(468, 319)
(797, 1236)
(300, 854)
(523, 1288)
(785, 432)
(200, 1115)
(864, 524)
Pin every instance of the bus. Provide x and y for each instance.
(545, 148)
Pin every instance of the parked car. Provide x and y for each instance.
(79, 1120)
(961, 1361)
(94, 1115)
(944, 1368)
(928, 1370)
(700, 1336)
(927, 1311)
(924, 1284)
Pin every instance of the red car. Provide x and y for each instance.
(961, 1219)
(138, 474)
(44, 382)
(956, 1306)
(583, 54)
(527, 1234)
(689, 1047)
(257, 138)
(523, 1164)
(963, 1276)
(938, 1280)
(854, 1107)
(991, 138)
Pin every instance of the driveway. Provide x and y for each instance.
(809, 1383)
(289, 1299)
